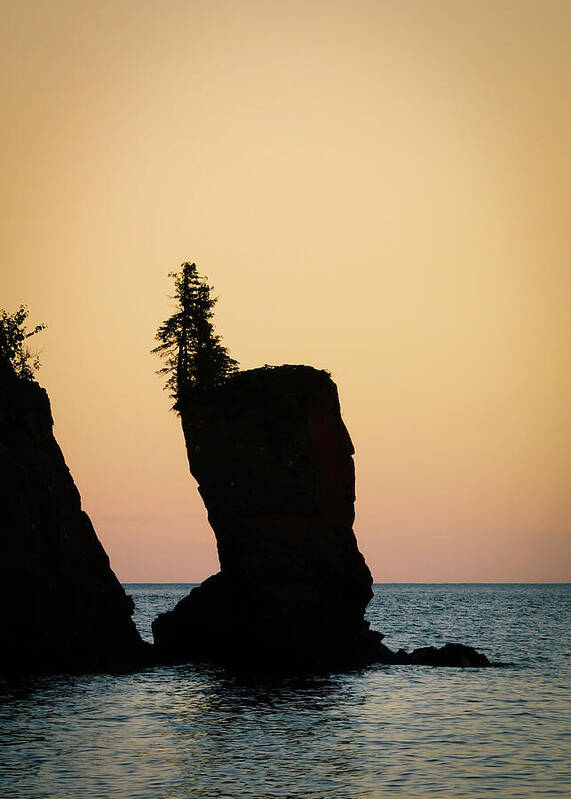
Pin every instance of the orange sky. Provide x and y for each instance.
(378, 188)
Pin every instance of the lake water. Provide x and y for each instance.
(196, 732)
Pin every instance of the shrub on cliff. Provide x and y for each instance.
(13, 351)
(193, 353)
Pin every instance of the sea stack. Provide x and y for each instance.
(63, 608)
(274, 465)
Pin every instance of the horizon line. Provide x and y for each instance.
(380, 582)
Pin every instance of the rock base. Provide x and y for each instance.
(219, 623)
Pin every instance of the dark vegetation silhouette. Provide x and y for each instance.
(13, 351)
(194, 355)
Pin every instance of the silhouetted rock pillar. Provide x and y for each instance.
(274, 465)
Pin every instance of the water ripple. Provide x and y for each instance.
(194, 731)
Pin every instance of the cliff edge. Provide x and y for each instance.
(63, 608)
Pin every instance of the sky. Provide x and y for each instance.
(381, 189)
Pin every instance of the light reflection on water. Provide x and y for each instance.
(195, 731)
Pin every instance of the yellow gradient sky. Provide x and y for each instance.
(382, 189)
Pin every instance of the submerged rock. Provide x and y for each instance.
(458, 655)
(63, 608)
(274, 464)
(447, 655)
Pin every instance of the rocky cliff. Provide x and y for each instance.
(62, 606)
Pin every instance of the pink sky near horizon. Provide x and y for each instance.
(380, 189)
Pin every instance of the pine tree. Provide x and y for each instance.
(193, 353)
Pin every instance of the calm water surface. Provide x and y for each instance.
(197, 732)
